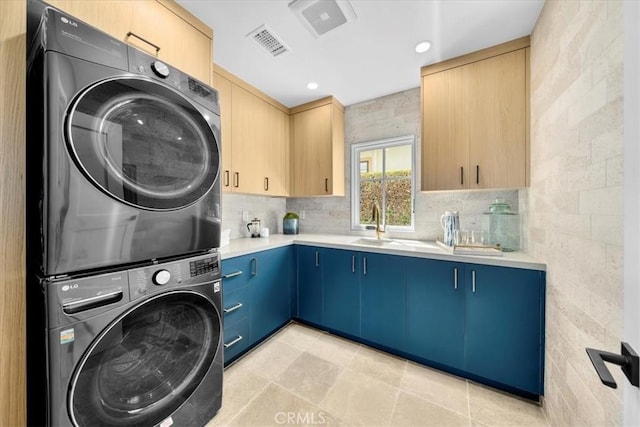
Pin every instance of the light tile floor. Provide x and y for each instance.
(303, 376)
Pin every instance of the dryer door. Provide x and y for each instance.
(147, 363)
(143, 143)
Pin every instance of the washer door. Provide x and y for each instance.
(147, 363)
(143, 143)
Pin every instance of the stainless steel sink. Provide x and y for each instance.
(393, 243)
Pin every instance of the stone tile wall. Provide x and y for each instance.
(575, 200)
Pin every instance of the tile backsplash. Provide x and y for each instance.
(269, 210)
(332, 215)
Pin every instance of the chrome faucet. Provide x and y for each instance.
(376, 217)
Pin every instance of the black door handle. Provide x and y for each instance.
(628, 360)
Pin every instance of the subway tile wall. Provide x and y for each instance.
(575, 201)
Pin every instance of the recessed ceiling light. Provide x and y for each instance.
(312, 85)
(423, 46)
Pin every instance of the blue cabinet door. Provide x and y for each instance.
(310, 261)
(504, 325)
(435, 311)
(382, 292)
(270, 288)
(341, 290)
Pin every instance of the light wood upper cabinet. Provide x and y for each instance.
(317, 143)
(445, 146)
(474, 120)
(497, 121)
(255, 138)
(223, 86)
(276, 153)
(183, 40)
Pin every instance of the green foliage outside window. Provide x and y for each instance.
(398, 196)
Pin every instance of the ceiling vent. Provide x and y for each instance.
(322, 16)
(268, 40)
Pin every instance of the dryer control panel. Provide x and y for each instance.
(81, 297)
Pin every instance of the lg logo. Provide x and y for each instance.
(65, 288)
(67, 21)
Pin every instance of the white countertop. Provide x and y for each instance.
(429, 250)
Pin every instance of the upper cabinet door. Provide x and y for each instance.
(223, 86)
(497, 121)
(445, 147)
(317, 145)
(248, 120)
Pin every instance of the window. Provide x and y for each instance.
(383, 174)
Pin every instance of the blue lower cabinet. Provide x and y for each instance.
(504, 326)
(341, 291)
(382, 299)
(309, 280)
(270, 291)
(256, 297)
(435, 311)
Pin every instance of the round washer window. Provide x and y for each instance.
(147, 363)
(143, 143)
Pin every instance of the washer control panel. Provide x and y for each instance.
(202, 266)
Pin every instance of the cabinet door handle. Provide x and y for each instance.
(461, 175)
(455, 278)
(226, 178)
(473, 281)
(317, 259)
(236, 179)
(230, 275)
(255, 266)
(353, 263)
(477, 174)
(326, 185)
(155, 46)
(266, 183)
(235, 341)
(364, 265)
(234, 308)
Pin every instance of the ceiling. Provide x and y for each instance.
(361, 60)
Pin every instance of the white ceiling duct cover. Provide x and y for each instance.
(322, 16)
(268, 40)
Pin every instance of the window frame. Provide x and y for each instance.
(358, 147)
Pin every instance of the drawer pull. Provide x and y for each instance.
(234, 308)
(473, 281)
(235, 341)
(230, 275)
(155, 46)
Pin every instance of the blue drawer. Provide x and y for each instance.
(236, 339)
(235, 305)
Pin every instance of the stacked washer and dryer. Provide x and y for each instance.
(124, 319)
